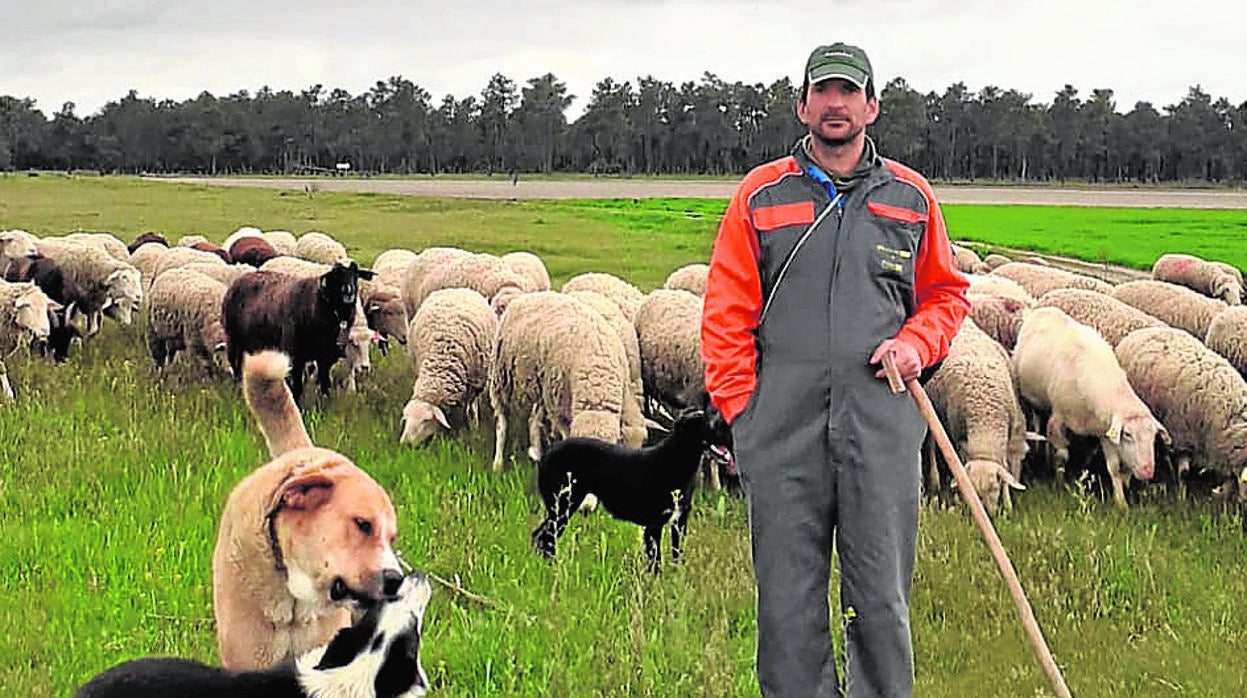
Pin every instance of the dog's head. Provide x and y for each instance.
(712, 429)
(379, 654)
(332, 529)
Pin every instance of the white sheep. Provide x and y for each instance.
(174, 257)
(450, 342)
(357, 354)
(992, 285)
(1198, 395)
(968, 261)
(244, 232)
(668, 328)
(190, 240)
(391, 265)
(1208, 278)
(104, 241)
(999, 316)
(184, 315)
(995, 259)
(530, 269)
(425, 261)
(23, 316)
(1038, 280)
(1112, 318)
(690, 277)
(319, 247)
(1174, 305)
(625, 295)
(484, 273)
(559, 363)
(634, 431)
(107, 285)
(283, 241)
(974, 396)
(1067, 369)
(145, 258)
(16, 245)
(1227, 335)
(225, 273)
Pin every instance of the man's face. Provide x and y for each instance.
(836, 111)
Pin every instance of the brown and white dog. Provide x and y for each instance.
(300, 538)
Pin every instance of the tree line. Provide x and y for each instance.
(708, 126)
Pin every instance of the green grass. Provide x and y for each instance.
(112, 480)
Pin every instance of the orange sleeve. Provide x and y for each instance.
(730, 310)
(939, 290)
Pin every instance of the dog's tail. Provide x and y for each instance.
(264, 387)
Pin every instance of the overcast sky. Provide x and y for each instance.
(94, 51)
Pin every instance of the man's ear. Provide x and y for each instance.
(872, 110)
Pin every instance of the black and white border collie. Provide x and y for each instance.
(651, 487)
(377, 656)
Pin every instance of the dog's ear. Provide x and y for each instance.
(302, 493)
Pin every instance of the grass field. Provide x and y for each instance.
(111, 482)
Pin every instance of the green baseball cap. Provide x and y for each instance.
(839, 60)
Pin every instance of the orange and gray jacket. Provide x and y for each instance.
(806, 279)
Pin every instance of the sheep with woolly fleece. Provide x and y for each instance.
(450, 344)
(175, 257)
(212, 249)
(503, 298)
(23, 316)
(1038, 280)
(1112, 318)
(973, 393)
(634, 431)
(362, 320)
(426, 261)
(624, 294)
(668, 329)
(557, 362)
(225, 273)
(16, 245)
(991, 285)
(1199, 396)
(995, 259)
(145, 258)
(690, 277)
(252, 251)
(283, 241)
(183, 312)
(968, 261)
(241, 234)
(105, 241)
(484, 273)
(999, 316)
(530, 269)
(1065, 368)
(390, 265)
(1227, 335)
(147, 238)
(1207, 278)
(108, 285)
(1174, 305)
(190, 240)
(319, 247)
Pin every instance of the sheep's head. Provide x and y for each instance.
(1134, 437)
(421, 421)
(1228, 289)
(992, 481)
(125, 294)
(387, 316)
(31, 309)
(16, 244)
(358, 349)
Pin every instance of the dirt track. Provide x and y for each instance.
(641, 189)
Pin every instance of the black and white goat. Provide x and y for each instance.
(377, 656)
(651, 487)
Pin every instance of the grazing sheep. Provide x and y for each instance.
(225, 273)
(184, 314)
(16, 245)
(968, 261)
(1210, 279)
(175, 257)
(1038, 280)
(992, 285)
(213, 249)
(319, 247)
(1227, 335)
(108, 286)
(1000, 317)
(625, 295)
(383, 310)
(530, 269)
(486, 274)
(995, 260)
(426, 261)
(357, 354)
(241, 234)
(48, 276)
(1198, 395)
(104, 241)
(634, 431)
(1174, 305)
(283, 241)
(972, 391)
(303, 269)
(190, 240)
(1112, 318)
(389, 266)
(145, 258)
(1067, 369)
(690, 277)
(451, 340)
(23, 316)
(252, 251)
(559, 363)
(154, 238)
(668, 329)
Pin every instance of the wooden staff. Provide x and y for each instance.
(1029, 624)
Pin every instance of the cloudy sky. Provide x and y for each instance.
(93, 52)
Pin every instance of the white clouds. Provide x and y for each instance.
(91, 53)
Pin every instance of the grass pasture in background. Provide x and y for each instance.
(112, 480)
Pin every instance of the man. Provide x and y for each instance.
(826, 260)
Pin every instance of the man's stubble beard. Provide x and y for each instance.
(836, 142)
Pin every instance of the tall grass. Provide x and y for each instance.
(112, 480)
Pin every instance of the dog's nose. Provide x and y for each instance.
(391, 580)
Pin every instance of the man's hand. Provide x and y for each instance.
(907, 362)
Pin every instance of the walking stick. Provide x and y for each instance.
(1029, 624)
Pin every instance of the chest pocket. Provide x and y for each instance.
(900, 234)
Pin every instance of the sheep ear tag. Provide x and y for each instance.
(1114, 431)
(1243, 478)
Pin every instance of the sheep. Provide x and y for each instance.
(295, 266)
(1038, 280)
(283, 241)
(503, 298)
(383, 310)
(690, 277)
(145, 258)
(357, 354)
(145, 238)
(1212, 280)
(557, 361)
(241, 234)
(107, 285)
(999, 316)
(49, 277)
(634, 431)
(184, 314)
(175, 257)
(426, 261)
(1199, 396)
(319, 247)
(104, 241)
(995, 260)
(364, 316)
(1067, 369)
(967, 260)
(252, 251)
(992, 285)
(1227, 335)
(485, 273)
(16, 245)
(668, 329)
(530, 269)
(190, 240)
(1112, 318)
(973, 393)
(450, 342)
(390, 266)
(1174, 305)
(214, 250)
(23, 316)
(624, 294)
(225, 273)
